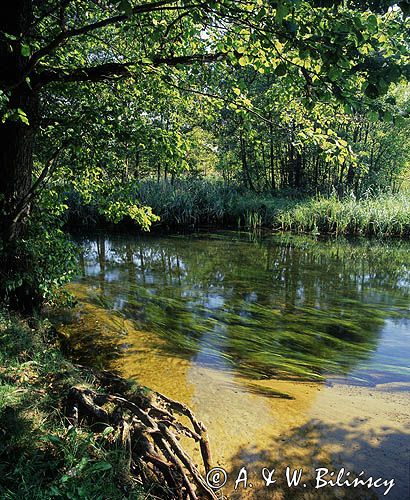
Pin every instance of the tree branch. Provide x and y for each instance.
(223, 99)
(139, 9)
(27, 198)
(120, 70)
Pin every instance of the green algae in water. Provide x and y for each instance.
(279, 306)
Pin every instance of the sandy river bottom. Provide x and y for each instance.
(270, 423)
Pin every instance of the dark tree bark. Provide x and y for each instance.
(16, 151)
(350, 177)
(17, 137)
(245, 168)
(271, 151)
(297, 171)
(16, 162)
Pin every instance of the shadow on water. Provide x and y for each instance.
(282, 306)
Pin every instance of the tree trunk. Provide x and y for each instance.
(137, 166)
(16, 151)
(271, 157)
(16, 161)
(246, 175)
(16, 164)
(297, 170)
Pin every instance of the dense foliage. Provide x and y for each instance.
(304, 95)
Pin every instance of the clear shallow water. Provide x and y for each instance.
(280, 306)
(269, 339)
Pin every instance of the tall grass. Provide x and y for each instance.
(384, 215)
(197, 201)
(194, 202)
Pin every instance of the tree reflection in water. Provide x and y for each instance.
(280, 306)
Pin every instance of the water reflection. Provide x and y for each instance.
(275, 307)
(246, 331)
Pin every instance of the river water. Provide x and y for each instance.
(293, 351)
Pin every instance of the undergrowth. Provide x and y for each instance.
(194, 202)
(41, 456)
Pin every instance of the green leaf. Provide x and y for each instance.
(243, 61)
(10, 36)
(25, 50)
(282, 11)
(372, 23)
(373, 116)
(347, 109)
(334, 73)
(101, 466)
(281, 70)
(52, 439)
(107, 431)
(387, 117)
(22, 116)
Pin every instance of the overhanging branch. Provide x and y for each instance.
(139, 9)
(222, 99)
(20, 209)
(117, 70)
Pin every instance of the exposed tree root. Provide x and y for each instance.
(148, 426)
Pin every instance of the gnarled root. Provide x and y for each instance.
(148, 426)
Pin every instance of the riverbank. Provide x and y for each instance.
(192, 203)
(73, 432)
(41, 456)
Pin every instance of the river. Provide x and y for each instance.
(293, 351)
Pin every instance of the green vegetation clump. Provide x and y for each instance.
(41, 456)
(386, 215)
(195, 202)
(191, 202)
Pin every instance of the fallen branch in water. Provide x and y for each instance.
(148, 427)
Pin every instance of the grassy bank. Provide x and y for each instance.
(41, 457)
(386, 215)
(192, 203)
